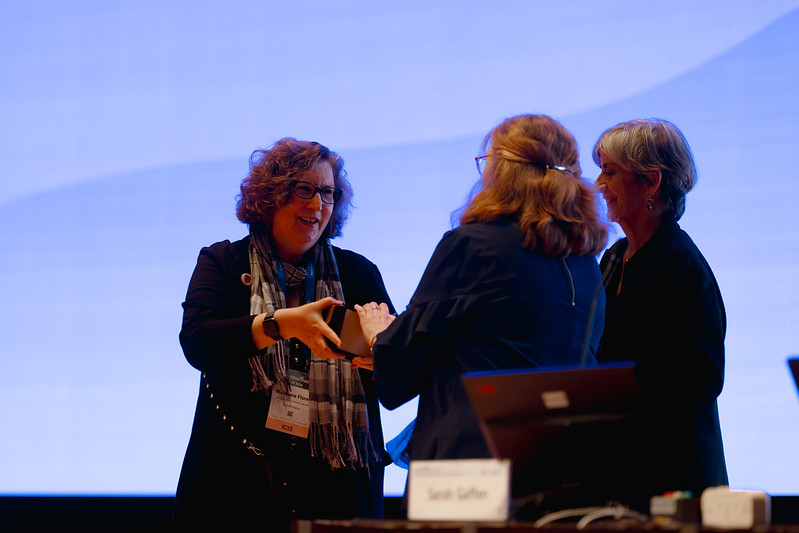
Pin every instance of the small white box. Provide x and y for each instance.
(734, 509)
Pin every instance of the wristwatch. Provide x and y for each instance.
(271, 328)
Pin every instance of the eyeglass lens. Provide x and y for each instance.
(305, 190)
(481, 163)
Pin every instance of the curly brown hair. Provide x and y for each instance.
(555, 208)
(267, 188)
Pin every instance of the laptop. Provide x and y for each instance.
(548, 421)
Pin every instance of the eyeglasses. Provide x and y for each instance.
(306, 191)
(481, 160)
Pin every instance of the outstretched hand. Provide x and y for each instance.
(374, 319)
(307, 324)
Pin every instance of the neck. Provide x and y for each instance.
(639, 233)
(293, 259)
(289, 256)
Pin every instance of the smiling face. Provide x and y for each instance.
(298, 225)
(625, 195)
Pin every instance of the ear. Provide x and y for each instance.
(653, 178)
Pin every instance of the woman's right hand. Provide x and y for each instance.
(374, 319)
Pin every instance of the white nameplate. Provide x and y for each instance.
(462, 489)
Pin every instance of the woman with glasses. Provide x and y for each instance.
(285, 427)
(511, 287)
(664, 309)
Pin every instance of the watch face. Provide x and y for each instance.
(271, 328)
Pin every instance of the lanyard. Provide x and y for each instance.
(310, 292)
(300, 354)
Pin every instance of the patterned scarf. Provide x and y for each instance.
(339, 426)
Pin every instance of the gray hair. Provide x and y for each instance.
(642, 146)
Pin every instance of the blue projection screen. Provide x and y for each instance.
(127, 127)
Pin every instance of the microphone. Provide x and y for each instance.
(609, 268)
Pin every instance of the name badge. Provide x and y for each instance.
(461, 490)
(288, 411)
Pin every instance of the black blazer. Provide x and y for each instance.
(224, 479)
(485, 302)
(669, 317)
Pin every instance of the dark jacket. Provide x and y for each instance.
(224, 479)
(483, 303)
(669, 318)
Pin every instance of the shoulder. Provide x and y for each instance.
(488, 230)
(353, 267)
(227, 246)
(484, 235)
(352, 261)
(360, 278)
(228, 252)
(678, 261)
(678, 250)
(475, 252)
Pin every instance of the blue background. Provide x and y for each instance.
(127, 127)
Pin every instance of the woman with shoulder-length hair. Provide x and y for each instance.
(511, 287)
(664, 307)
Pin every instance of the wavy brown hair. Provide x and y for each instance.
(267, 188)
(556, 209)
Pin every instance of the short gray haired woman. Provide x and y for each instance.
(664, 309)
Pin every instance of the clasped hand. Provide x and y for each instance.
(307, 323)
(374, 318)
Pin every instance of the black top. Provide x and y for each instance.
(223, 479)
(669, 317)
(483, 303)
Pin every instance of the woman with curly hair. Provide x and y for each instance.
(285, 427)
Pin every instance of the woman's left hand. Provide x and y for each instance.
(374, 319)
(307, 324)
